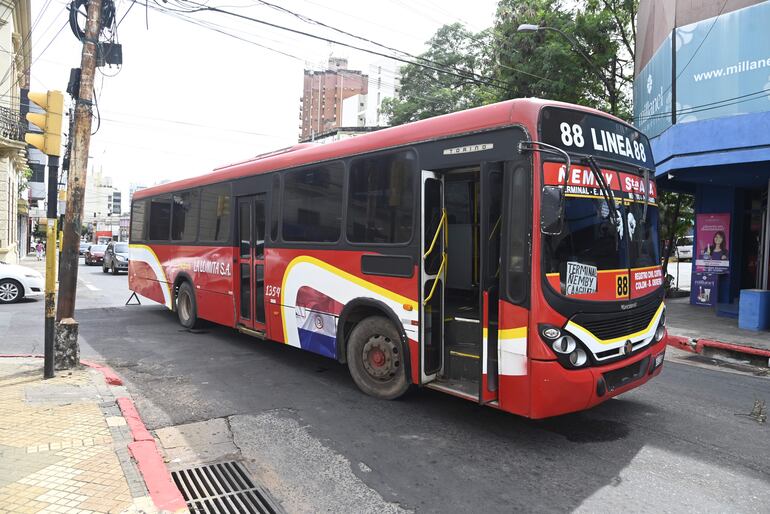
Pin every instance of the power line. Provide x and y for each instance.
(708, 106)
(471, 76)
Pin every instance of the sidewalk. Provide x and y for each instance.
(699, 329)
(65, 445)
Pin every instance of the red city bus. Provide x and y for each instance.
(507, 254)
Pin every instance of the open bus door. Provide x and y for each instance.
(251, 263)
(490, 231)
(432, 272)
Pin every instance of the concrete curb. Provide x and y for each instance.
(164, 493)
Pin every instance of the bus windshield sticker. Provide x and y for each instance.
(481, 147)
(581, 278)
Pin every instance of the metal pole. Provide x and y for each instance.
(50, 265)
(76, 179)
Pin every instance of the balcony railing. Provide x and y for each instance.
(11, 126)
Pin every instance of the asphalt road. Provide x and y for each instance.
(681, 443)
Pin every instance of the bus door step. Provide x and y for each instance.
(251, 332)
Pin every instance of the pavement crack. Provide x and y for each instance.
(232, 436)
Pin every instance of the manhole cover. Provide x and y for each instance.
(222, 488)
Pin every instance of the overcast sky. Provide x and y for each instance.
(189, 99)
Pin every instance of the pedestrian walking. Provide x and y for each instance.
(39, 250)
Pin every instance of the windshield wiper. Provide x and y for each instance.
(608, 197)
(646, 173)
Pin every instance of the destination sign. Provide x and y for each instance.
(584, 133)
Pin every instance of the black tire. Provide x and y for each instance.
(186, 306)
(376, 361)
(113, 269)
(10, 291)
(104, 268)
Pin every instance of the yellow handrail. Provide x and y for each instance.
(441, 224)
(435, 281)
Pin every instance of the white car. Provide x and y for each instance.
(684, 248)
(16, 282)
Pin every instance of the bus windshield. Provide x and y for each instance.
(603, 253)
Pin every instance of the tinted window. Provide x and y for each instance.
(518, 236)
(381, 199)
(160, 218)
(137, 220)
(215, 213)
(312, 204)
(275, 207)
(184, 222)
(121, 248)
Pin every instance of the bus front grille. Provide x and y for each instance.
(610, 326)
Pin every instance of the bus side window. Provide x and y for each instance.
(312, 204)
(184, 216)
(215, 213)
(138, 213)
(275, 207)
(381, 199)
(160, 218)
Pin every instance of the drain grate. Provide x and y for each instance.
(222, 488)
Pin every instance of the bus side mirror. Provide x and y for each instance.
(552, 210)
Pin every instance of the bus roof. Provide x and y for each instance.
(523, 110)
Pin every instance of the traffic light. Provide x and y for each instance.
(49, 142)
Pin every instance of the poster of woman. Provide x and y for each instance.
(712, 234)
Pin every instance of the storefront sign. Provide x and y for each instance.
(653, 93)
(703, 289)
(723, 64)
(712, 240)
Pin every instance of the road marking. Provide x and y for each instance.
(90, 287)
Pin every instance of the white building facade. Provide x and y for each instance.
(14, 76)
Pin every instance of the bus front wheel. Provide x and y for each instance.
(186, 308)
(376, 358)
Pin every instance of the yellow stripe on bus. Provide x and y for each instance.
(374, 288)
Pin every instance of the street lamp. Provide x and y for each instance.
(529, 27)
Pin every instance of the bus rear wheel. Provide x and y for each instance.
(376, 358)
(186, 308)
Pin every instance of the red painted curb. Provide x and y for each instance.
(110, 376)
(138, 431)
(708, 343)
(164, 493)
(682, 343)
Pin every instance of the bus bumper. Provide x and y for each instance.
(556, 390)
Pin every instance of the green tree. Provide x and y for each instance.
(592, 65)
(425, 92)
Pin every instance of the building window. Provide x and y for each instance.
(160, 218)
(138, 210)
(381, 199)
(215, 213)
(184, 217)
(312, 204)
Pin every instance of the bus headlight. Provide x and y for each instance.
(578, 357)
(564, 344)
(660, 332)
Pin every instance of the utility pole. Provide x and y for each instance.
(66, 337)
